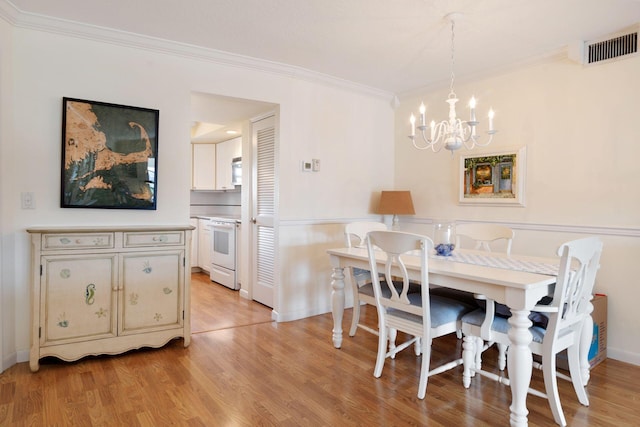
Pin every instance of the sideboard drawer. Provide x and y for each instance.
(78, 241)
(154, 238)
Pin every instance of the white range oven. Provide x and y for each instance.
(223, 251)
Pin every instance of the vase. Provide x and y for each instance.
(443, 235)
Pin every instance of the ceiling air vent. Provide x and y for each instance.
(616, 47)
(619, 45)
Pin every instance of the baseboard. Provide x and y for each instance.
(623, 356)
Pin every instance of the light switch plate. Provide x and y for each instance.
(27, 200)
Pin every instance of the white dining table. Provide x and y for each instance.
(519, 290)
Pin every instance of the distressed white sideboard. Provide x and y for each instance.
(107, 290)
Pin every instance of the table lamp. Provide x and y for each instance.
(396, 203)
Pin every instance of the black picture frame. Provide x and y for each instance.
(109, 155)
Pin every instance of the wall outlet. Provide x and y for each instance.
(315, 165)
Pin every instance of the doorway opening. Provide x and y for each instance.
(216, 120)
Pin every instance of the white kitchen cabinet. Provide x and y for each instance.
(108, 290)
(204, 245)
(194, 242)
(225, 152)
(203, 166)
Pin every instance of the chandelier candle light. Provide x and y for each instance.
(453, 133)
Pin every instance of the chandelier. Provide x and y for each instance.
(453, 133)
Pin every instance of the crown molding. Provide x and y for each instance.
(37, 22)
(9, 12)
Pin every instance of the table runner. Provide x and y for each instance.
(502, 262)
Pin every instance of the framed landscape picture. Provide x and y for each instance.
(493, 178)
(109, 155)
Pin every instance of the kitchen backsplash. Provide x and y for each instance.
(215, 202)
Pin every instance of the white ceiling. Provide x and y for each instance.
(392, 45)
(214, 115)
(396, 46)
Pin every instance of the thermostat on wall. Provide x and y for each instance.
(306, 166)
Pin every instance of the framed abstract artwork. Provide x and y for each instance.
(109, 155)
(493, 178)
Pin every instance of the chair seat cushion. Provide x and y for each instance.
(359, 271)
(442, 310)
(414, 288)
(361, 276)
(537, 318)
(500, 324)
(454, 294)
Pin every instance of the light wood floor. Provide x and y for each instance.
(242, 369)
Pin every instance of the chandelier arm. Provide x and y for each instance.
(470, 146)
(467, 130)
(484, 144)
(475, 141)
(426, 147)
(427, 143)
(439, 131)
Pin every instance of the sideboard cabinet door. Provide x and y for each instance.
(79, 299)
(152, 284)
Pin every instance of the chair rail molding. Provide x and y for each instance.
(563, 228)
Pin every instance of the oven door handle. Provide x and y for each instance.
(223, 225)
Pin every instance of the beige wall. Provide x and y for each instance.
(580, 127)
(347, 128)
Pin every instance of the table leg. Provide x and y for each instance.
(519, 362)
(469, 349)
(337, 304)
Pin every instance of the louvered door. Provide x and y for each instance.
(264, 206)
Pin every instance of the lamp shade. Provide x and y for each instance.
(396, 203)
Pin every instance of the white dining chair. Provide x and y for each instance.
(417, 314)
(566, 313)
(483, 236)
(355, 234)
(489, 238)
